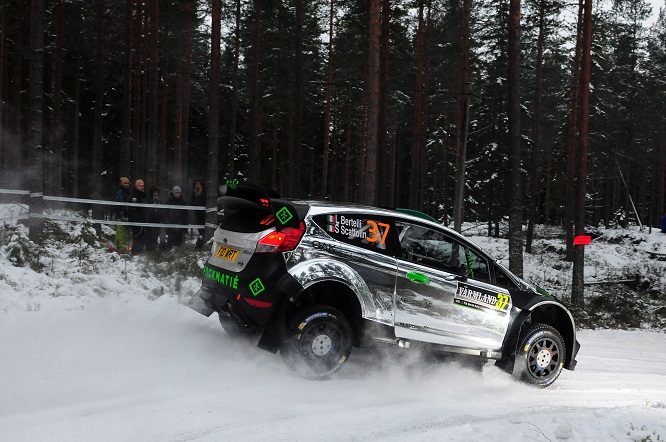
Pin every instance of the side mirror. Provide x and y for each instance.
(463, 272)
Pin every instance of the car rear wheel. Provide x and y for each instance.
(319, 342)
(540, 356)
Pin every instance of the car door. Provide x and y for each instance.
(435, 303)
(366, 242)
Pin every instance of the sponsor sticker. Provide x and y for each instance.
(365, 230)
(284, 215)
(220, 277)
(257, 287)
(479, 298)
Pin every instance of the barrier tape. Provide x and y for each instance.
(15, 192)
(64, 199)
(119, 223)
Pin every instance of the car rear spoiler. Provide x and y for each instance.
(238, 195)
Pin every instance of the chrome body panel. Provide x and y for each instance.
(427, 312)
(371, 276)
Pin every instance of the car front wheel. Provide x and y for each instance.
(541, 355)
(319, 342)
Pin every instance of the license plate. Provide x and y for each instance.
(228, 253)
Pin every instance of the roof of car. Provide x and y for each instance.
(378, 210)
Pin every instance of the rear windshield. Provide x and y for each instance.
(250, 220)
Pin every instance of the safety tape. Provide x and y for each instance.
(117, 203)
(15, 192)
(119, 223)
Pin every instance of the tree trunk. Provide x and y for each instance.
(17, 157)
(3, 149)
(164, 124)
(299, 160)
(274, 152)
(214, 112)
(35, 103)
(572, 138)
(96, 179)
(182, 99)
(328, 105)
(515, 205)
(370, 169)
(152, 163)
(384, 53)
(549, 176)
(393, 163)
(74, 166)
(254, 166)
(577, 293)
(124, 168)
(231, 163)
(415, 191)
(463, 120)
(533, 184)
(57, 131)
(348, 141)
(137, 71)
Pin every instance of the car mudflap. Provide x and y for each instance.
(253, 295)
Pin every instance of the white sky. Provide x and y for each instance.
(656, 4)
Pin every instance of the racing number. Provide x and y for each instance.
(375, 232)
(502, 301)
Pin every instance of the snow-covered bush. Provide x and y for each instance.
(17, 247)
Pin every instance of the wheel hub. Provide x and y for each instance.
(543, 358)
(321, 345)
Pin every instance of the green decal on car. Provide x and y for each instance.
(220, 278)
(257, 287)
(283, 215)
(232, 183)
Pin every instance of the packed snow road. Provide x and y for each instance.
(143, 371)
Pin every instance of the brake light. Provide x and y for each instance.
(281, 241)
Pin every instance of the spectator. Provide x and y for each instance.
(663, 223)
(122, 232)
(176, 216)
(199, 199)
(153, 216)
(138, 215)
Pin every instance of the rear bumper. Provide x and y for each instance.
(250, 297)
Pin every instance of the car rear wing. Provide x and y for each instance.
(237, 196)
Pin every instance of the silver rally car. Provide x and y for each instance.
(314, 279)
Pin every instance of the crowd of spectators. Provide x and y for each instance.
(138, 238)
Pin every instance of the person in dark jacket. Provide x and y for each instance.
(663, 223)
(153, 216)
(176, 216)
(138, 215)
(199, 199)
(122, 196)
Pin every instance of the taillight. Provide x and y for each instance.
(281, 241)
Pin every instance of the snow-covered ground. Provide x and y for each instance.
(101, 349)
(134, 369)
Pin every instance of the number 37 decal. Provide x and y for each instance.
(377, 232)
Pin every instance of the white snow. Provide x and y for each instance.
(104, 350)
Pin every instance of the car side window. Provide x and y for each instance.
(503, 280)
(477, 267)
(429, 247)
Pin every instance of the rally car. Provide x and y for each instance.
(315, 279)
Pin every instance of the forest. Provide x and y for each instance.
(532, 111)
